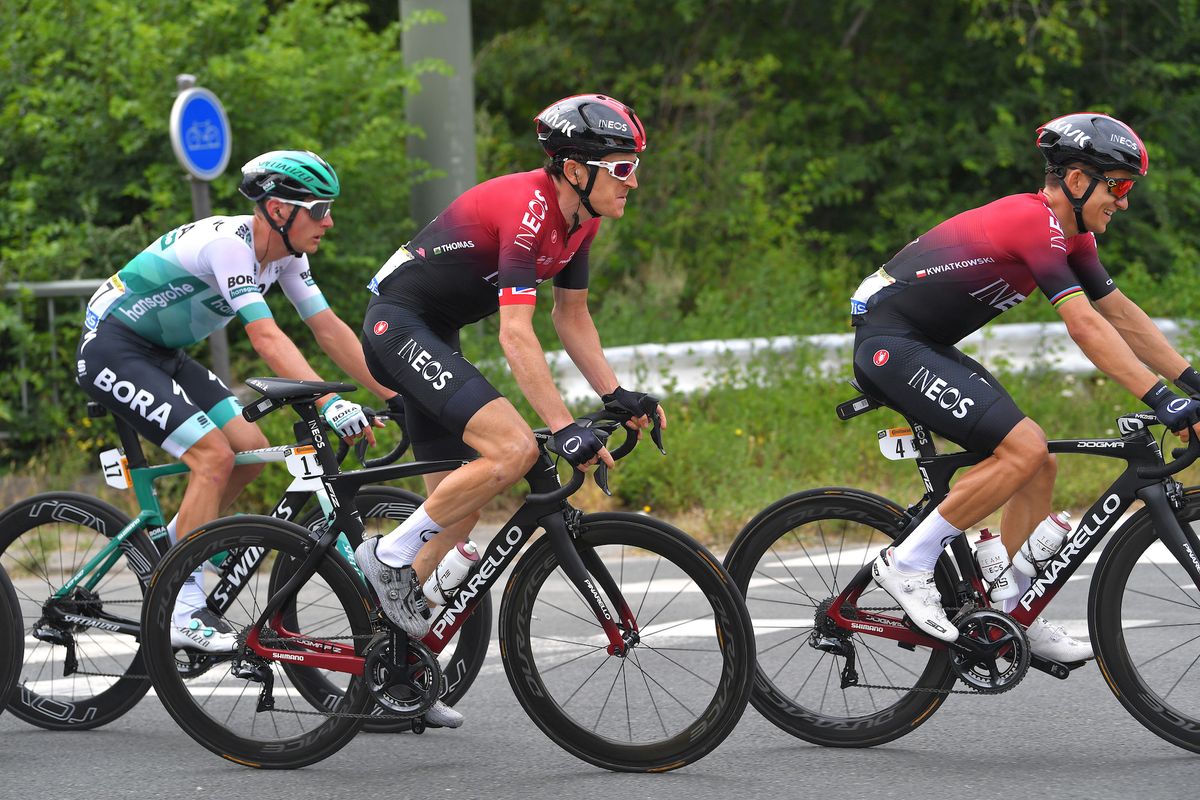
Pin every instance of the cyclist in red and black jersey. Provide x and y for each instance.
(488, 252)
(949, 282)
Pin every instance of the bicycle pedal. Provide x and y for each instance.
(418, 725)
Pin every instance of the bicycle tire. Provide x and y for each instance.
(785, 562)
(712, 673)
(43, 541)
(1144, 620)
(12, 639)
(217, 708)
(462, 658)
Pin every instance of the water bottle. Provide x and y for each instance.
(1043, 544)
(992, 557)
(439, 587)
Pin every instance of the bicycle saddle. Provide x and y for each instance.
(286, 390)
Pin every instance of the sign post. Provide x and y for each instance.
(202, 141)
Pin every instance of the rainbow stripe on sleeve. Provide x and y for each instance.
(1065, 295)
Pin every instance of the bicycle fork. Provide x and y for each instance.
(1179, 539)
(581, 567)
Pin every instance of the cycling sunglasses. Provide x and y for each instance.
(317, 209)
(1118, 186)
(621, 170)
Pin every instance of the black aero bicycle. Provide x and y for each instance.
(838, 665)
(81, 567)
(12, 639)
(622, 638)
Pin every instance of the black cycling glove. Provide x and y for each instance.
(575, 443)
(636, 404)
(1172, 410)
(1189, 381)
(395, 407)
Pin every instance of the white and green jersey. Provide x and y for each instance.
(195, 278)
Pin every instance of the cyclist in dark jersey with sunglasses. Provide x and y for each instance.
(954, 279)
(182, 287)
(488, 252)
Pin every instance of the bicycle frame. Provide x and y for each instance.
(556, 516)
(1136, 446)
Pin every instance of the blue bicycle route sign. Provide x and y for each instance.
(200, 134)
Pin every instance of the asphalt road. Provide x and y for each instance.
(1046, 738)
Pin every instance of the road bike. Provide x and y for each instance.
(12, 639)
(81, 567)
(622, 638)
(838, 665)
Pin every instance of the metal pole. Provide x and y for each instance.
(444, 108)
(218, 341)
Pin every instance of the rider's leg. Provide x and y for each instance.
(211, 462)
(1020, 456)
(507, 451)
(242, 435)
(435, 549)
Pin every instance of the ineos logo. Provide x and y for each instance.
(1178, 405)
(572, 445)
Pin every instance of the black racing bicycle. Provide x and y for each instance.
(839, 665)
(82, 567)
(12, 639)
(622, 638)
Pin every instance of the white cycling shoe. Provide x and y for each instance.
(917, 594)
(441, 715)
(1051, 641)
(202, 630)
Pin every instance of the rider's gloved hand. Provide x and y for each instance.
(577, 444)
(1189, 382)
(345, 417)
(1172, 410)
(637, 404)
(395, 409)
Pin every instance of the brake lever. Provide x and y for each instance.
(360, 451)
(601, 478)
(657, 437)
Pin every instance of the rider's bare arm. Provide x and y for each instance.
(1104, 346)
(1141, 334)
(341, 344)
(528, 363)
(579, 337)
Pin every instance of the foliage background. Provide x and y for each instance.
(794, 146)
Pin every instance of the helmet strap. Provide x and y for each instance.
(1077, 203)
(583, 197)
(283, 229)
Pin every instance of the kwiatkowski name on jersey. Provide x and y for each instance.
(953, 265)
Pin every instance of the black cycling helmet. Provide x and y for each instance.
(587, 127)
(1098, 140)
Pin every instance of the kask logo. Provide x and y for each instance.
(881, 357)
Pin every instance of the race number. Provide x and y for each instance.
(897, 444)
(116, 468)
(302, 462)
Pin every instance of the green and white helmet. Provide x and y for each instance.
(290, 175)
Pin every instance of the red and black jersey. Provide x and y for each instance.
(974, 266)
(492, 246)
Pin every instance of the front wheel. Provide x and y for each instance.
(681, 687)
(789, 562)
(1144, 616)
(82, 666)
(218, 700)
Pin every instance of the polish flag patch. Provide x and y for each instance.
(881, 357)
(380, 328)
(921, 273)
(518, 296)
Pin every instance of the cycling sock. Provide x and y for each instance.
(920, 551)
(172, 534)
(1023, 582)
(400, 547)
(191, 594)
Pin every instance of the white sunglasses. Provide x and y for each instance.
(317, 209)
(621, 170)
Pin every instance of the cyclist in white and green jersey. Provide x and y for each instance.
(187, 284)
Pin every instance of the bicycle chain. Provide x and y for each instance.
(925, 689)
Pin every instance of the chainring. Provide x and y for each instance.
(992, 652)
(407, 696)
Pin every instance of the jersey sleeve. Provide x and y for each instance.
(1085, 263)
(234, 274)
(575, 274)
(521, 228)
(1039, 242)
(297, 283)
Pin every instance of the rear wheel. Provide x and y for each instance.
(788, 562)
(381, 509)
(44, 541)
(684, 682)
(218, 699)
(1144, 615)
